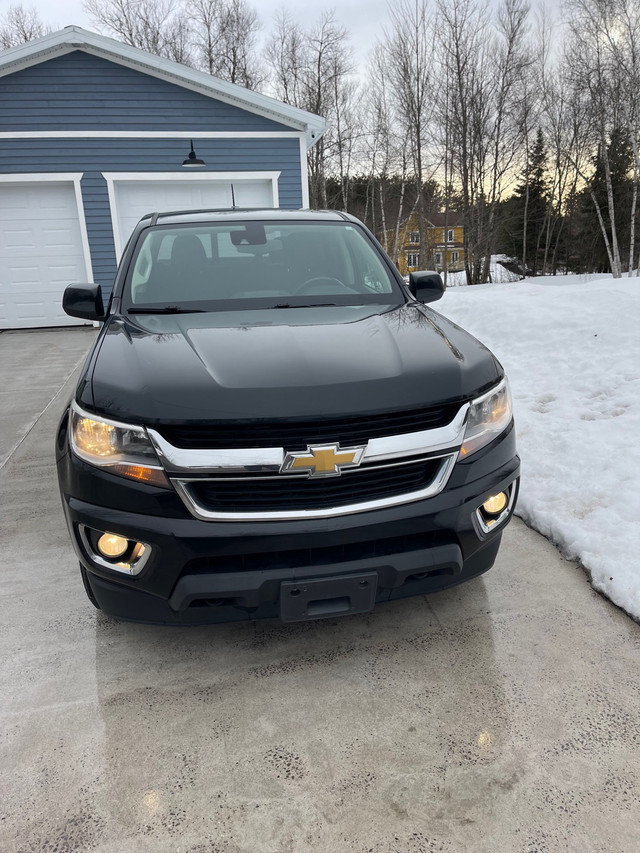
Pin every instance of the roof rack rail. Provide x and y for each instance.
(210, 210)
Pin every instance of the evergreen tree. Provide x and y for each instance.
(590, 236)
(524, 215)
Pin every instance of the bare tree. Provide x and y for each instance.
(566, 129)
(384, 151)
(621, 23)
(286, 56)
(157, 26)
(511, 97)
(218, 36)
(311, 69)
(588, 59)
(409, 55)
(20, 24)
(462, 29)
(328, 67)
(224, 34)
(485, 67)
(347, 131)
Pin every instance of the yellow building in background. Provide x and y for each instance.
(445, 245)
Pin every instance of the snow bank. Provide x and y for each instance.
(571, 349)
(499, 274)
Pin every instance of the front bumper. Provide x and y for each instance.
(202, 571)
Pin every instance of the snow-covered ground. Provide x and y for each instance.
(499, 274)
(571, 348)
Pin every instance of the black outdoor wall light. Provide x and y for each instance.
(192, 160)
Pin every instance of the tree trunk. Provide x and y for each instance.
(634, 200)
(614, 253)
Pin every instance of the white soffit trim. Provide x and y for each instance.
(151, 134)
(61, 178)
(113, 178)
(75, 38)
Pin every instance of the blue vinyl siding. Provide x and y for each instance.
(79, 91)
(92, 157)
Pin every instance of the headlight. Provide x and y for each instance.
(489, 415)
(122, 449)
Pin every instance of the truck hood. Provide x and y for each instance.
(282, 363)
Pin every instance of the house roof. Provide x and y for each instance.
(451, 219)
(75, 38)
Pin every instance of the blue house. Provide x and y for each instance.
(94, 134)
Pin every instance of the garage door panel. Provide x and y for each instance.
(41, 277)
(134, 199)
(62, 275)
(30, 309)
(16, 204)
(58, 239)
(17, 239)
(21, 275)
(40, 253)
(40, 241)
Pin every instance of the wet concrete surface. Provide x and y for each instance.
(500, 716)
(33, 366)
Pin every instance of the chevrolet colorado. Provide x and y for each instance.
(272, 423)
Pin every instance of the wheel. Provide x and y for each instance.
(87, 587)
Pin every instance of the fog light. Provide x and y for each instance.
(111, 545)
(495, 504)
(138, 551)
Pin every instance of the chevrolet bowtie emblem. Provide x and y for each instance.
(324, 460)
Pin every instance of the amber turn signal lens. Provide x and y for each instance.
(153, 476)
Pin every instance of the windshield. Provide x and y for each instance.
(256, 264)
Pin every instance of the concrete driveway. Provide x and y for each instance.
(502, 716)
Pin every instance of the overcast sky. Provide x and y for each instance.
(367, 17)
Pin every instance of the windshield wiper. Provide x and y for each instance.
(166, 309)
(306, 305)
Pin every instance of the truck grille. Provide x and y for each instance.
(297, 434)
(272, 494)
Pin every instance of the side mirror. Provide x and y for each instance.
(426, 286)
(83, 301)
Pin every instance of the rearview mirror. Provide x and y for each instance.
(252, 235)
(426, 286)
(83, 301)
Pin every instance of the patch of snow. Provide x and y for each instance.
(499, 275)
(571, 348)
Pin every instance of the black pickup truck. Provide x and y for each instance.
(272, 423)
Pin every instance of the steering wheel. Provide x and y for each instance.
(320, 284)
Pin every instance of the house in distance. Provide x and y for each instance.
(444, 248)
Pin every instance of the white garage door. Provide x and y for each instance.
(40, 253)
(134, 198)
